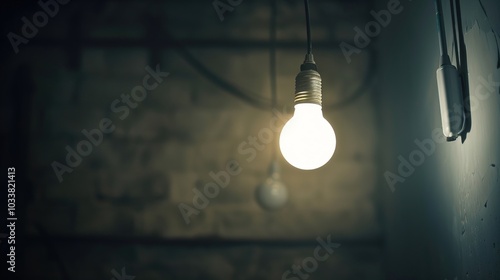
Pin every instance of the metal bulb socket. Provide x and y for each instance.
(308, 83)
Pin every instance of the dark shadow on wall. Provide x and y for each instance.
(462, 64)
(462, 61)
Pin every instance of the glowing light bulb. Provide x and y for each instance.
(307, 140)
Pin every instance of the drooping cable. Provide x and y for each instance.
(220, 82)
(228, 87)
(255, 100)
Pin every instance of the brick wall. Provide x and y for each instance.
(132, 183)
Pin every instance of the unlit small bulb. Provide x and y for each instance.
(272, 194)
(307, 140)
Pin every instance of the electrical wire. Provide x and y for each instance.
(441, 30)
(215, 79)
(228, 87)
(460, 38)
(455, 37)
(308, 27)
(263, 104)
(260, 102)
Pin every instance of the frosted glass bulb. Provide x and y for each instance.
(307, 140)
(273, 194)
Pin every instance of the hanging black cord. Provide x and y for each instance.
(308, 26)
(460, 38)
(255, 100)
(455, 37)
(442, 32)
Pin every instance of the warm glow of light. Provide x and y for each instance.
(307, 140)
